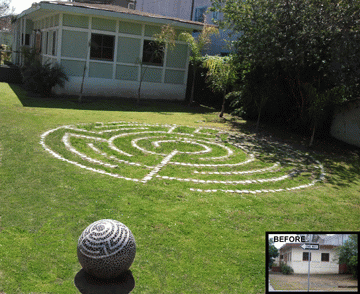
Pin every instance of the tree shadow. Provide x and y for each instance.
(102, 103)
(87, 284)
(340, 160)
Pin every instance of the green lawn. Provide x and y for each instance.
(188, 241)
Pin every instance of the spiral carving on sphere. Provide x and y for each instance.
(106, 248)
(103, 238)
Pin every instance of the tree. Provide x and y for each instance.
(272, 253)
(317, 104)
(312, 42)
(221, 75)
(197, 46)
(348, 253)
(5, 8)
(156, 48)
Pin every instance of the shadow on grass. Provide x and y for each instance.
(340, 160)
(87, 284)
(104, 103)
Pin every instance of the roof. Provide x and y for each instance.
(297, 245)
(109, 10)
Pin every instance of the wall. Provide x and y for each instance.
(316, 265)
(346, 124)
(117, 77)
(182, 9)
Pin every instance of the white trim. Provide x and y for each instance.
(60, 30)
(164, 64)
(174, 68)
(88, 48)
(75, 29)
(115, 49)
(101, 61)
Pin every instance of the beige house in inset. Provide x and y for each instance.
(322, 261)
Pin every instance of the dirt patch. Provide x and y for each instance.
(317, 282)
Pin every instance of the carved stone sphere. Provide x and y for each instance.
(106, 249)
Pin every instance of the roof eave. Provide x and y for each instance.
(107, 13)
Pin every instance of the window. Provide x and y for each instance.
(102, 47)
(306, 256)
(200, 13)
(215, 15)
(325, 256)
(46, 42)
(153, 53)
(25, 39)
(38, 41)
(54, 44)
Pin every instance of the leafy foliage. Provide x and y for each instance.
(273, 252)
(221, 75)
(296, 44)
(348, 253)
(41, 78)
(286, 269)
(197, 46)
(4, 7)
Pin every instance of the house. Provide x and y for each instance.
(6, 35)
(195, 10)
(109, 45)
(322, 261)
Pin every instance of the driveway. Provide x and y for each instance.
(317, 282)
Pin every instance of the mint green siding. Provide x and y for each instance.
(129, 28)
(73, 68)
(103, 24)
(74, 44)
(29, 26)
(100, 70)
(152, 75)
(151, 30)
(128, 50)
(129, 73)
(174, 77)
(177, 57)
(56, 20)
(76, 21)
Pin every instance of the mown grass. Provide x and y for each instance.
(187, 242)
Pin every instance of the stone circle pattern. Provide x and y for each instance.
(202, 159)
(106, 249)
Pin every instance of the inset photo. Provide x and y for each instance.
(312, 262)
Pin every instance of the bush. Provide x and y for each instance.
(286, 270)
(5, 57)
(41, 78)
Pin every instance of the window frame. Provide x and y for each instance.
(323, 255)
(215, 15)
(102, 47)
(307, 258)
(147, 55)
(53, 49)
(197, 16)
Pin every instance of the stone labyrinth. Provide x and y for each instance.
(193, 158)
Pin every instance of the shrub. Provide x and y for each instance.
(41, 78)
(5, 57)
(286, 270)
